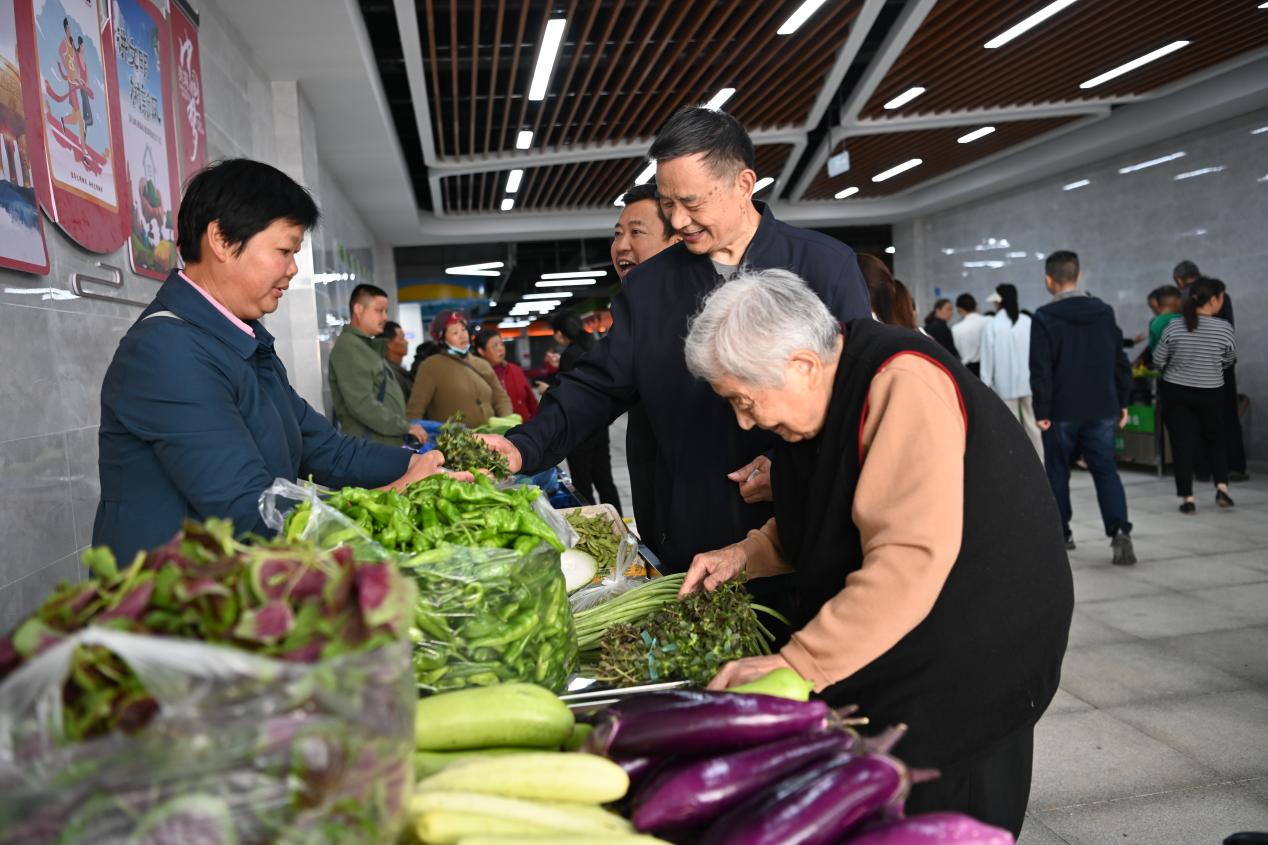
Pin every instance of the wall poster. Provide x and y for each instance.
(22, 244)
(77, 85)
(191, 130)
(143, 53)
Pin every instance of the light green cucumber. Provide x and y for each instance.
(427, 763)
(482, 717)
(441, 827)
(540, 776)
(566, 818)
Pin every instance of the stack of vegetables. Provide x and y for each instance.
(492, 771)
(210, 692)
(464, 452)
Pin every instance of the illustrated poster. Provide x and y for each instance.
(22, 244)
(191, 131)
(81, 135)
(143, 53)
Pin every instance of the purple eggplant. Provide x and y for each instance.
(702, 790)
(933, 829)
(816, 807)
(638, 768)
(718, 722)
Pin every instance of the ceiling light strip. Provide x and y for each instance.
(564, 283)
(763, 183)
(719, 99)
(800, 16)
(546, 56)
(1027, 24)
(900, 168)
(1082, 183)
(1132, 168)
(975, 134)
(848, 192)
(905, 97)
(554, 295)
(1134, 63)
(513, 180)
(574, 274)
(524, 140)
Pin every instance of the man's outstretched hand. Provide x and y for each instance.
(505, 448)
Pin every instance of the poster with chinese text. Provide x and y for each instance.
(142, 51)
(22, 244)
(191, 131)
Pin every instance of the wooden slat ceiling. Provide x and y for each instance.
(939, 149)
(623, 69)
(1047, 64)
(593, 185)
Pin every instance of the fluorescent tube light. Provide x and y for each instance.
(508, 204)
(763, 183)
(905, 98)
(1132, 168)
(1074, 185)
(1027, 24)
(488, 268)
(797, 18)
(889, 250)
(513, 180)
(901, 168)
(1261, 130)
(643, 178)
(718, 99)
(553, 36)
(975, 134)
(514, 324)
(1199, 172)
(524, 140)
(565, 283)
(619, 202)
(848, 192)
(556, 295)
(575, 274)
(1133, 64)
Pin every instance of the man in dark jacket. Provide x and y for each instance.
(705, 177)
(1080, 380)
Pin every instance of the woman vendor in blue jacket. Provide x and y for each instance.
(197, 414)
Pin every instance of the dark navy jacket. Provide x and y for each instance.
(1078, 369)
(198, 418)
(698, 509)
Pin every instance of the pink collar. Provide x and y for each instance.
(229, 315)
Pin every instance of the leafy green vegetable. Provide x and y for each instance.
(596, 539)
(464, 452)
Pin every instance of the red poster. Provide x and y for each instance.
(22, 244)
(191, 131)
(83, 182)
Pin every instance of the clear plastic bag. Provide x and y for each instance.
(613, 585)
(244, 749)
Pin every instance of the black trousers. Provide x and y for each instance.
(1194, 417)
(590, 466)
(1234, 445)
(995, 789)
(640, 460)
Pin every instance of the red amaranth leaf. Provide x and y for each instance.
(310, 584)
(266, 624)
(269, 578)
(133, 604)
(187, 591)
(375, 593)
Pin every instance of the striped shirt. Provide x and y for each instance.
(1196, 358)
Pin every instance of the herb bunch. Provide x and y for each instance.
(464, 452)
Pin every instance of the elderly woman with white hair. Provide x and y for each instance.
(914, 528)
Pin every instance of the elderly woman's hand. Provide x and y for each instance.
(713, 569)
(739, 672)
(421, 466)
(754, 480)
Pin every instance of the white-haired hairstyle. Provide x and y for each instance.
(749, 327)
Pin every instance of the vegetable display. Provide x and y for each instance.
(633, 606)
(595, 538)
(210, 692)
(464, 452)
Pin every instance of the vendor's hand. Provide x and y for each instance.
(713, 569)
(754, 480)
(504, 447)
(749, 669)
(1122, 421)
(422, 466)
(1044, 425)
(418, 433)
(541, 386)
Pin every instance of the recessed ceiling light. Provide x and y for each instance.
(797, 18)
(576, 274)
(889, 250)
(719, 98)
(524, 140)
(901, 168)
(848, 192)
(648, 172)
(975, 134)
(513, 180)
(905, 98)
(488, 268)
(508, 204)
(1199, 172)
(1075, 185)
(1132, 168)
(551, 40)
(1026, 24)
(564, 283)
(554, 295)
(763, 183)
(1133, 64)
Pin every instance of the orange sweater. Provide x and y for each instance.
(909, 509)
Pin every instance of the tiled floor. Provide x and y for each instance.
(1159, 735)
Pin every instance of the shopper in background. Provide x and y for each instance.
(541, 376)
(640, 232)
(197, 415)
(891, 302)
(931, 586)
(937, 325)
(1194, 353)
(490, 346)
(589, 462)
(368, 400)
(967, 332)
(1165, 303)
(1005, 353)
(425, 350)
(396, 349)
(1185, 274)
(455, 381)
(1080, 381)
(705, 173)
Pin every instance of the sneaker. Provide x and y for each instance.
(1188, 508)
(1223, 499)
(1124, 555)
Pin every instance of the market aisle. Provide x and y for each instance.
(1160, 731)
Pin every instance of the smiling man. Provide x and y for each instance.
(705, 178)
